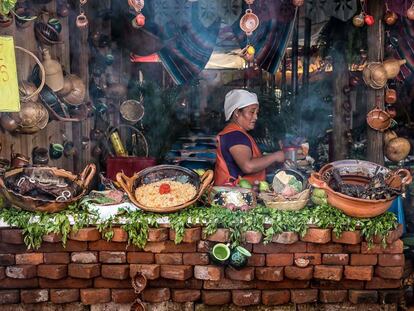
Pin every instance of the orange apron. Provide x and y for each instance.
(221, 172)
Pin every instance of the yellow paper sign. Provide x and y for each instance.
(9, 88)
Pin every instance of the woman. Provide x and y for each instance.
(238, 155)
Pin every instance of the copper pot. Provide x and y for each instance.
(77, 95)
(390, 96)
(67, 86)
(379, 119)
(8, 123)
(33, 117)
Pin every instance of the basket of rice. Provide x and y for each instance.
(164, 188)
(290, 191)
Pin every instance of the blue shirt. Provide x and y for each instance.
(226, 142)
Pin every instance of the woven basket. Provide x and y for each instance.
(287, 205)
(159, 172)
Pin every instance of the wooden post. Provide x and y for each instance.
(295, 48)
(306, 55)
(375, 152)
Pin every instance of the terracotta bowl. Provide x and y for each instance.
(379, 119)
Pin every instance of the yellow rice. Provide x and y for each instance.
(149, 195)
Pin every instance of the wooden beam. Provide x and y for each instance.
(295, 52)
(375, 147)
(306, 55)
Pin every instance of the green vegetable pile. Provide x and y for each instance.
(136, 223)
(6, 6)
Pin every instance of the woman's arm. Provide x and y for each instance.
(242, 155)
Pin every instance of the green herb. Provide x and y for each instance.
(6, 6)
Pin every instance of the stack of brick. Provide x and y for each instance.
(93, 271)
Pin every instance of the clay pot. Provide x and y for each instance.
(249, 22)
(378, 119)
(358, 20)
(392, 111)
(390, 96)
(77, 95)
(67, 86)
(131, 111)
(40, 156)
(397, 149)
(31, 118)
(6, 21)
(26, 89)
(388, 135)
(8, 123)
(298, 3)
(369, 20)
(392, 67)
(53, 72)
(390, 18)
(82, 21)
(410, 12)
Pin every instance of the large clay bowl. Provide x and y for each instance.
(40, 205)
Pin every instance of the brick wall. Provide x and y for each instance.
(92, 271)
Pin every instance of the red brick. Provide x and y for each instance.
(335, 259)
(71, 246)
(252, 237)
(343, 284)
(169, 259)
(119, 235)
(276, 248)
(333, 296)
(363, 260)
(394, 248)
(2, 273)
(138, 257)
(332, 273)
(52, 238)
(100, 282)
(347, 237)
(269, 273)
(196, 259)
(230, 284)
(112, 257)
(389, 272)
(256, 260)
(391, 260)
(177, 272)
(314, 258)
(205, 246)
(9, 297)
(151, 272)
(362, 273)
(277, 260)
(123, 295)
(29, 259)
(275, 297)
(392, 236)
(102, 245)
(187, 284)
(84, 257)
(12, 236)
(245, 274)
(216, 297)
(352, 248)
(157, 234)
(304, 295)
(170, 247)
(284, 284)
(296, 273)
(64, 295)
(54, 272)
(244, 298)
(221, 235)
(19, 283)
(328, 248)
(56, 258)
(391, 296)
(84, 271)
(185, 295)
(85, 234)
(34, 295)
(191, 235)
(380, 283)
(21, 272)
(65, 283)
(117, 272)
(13, 248)
(316, 235)
(363, 296)
(208, 273)
(285, 238)
(92, 296)
(156, 294)
(7, 259)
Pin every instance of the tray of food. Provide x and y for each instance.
(164, 188)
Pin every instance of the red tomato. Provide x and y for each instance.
(164, 188)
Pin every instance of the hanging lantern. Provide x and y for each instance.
(390, 18)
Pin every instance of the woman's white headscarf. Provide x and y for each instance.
(237, 99)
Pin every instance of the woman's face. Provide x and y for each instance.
(247, 116)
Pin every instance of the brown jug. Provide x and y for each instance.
(392, 67)
(390, 96)
(53, 71)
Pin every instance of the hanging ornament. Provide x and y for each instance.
(81, 19)
(390, 17)
(358, 20)
(369, 20)
(137, 5)
(298, 3)
(410, 12)
(249, 22)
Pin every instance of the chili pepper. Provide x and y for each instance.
(164, 188)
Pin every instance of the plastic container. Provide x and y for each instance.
(129, 165)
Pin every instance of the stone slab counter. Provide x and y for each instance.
(93, 274)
